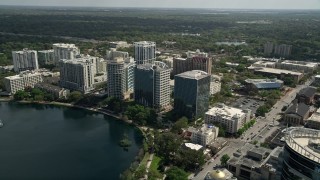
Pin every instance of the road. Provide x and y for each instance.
(262, 129)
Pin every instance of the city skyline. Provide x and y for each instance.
(219, 4)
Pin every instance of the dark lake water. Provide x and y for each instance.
(49, 142)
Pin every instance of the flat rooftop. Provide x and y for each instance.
(22, 75)
(304, 143)
(315, 116)
(63, 45)
(194, 74)
(223, 110)
(301, 63)
(276, 71)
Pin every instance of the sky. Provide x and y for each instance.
(229, 4)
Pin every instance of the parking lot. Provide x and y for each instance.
(246, 103)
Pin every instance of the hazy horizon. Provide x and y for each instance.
(210, 4)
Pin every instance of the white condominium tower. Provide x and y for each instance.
(25, 60)
(144, 52)
(65, 51)
(77, 74)
(120, 78)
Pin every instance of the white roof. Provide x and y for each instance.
(275, 71)
(193, 146)
(223, 110)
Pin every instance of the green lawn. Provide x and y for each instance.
(155, 163)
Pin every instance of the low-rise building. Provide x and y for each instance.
(263, 84)
(314, 120)
(279, 73)
(301, 66)
(220, 174)
(119, 44)
(297, 113)
(5, 69)
(317, 80)
(21, 81)
(204, 135)
(306, 95)
(232, 118)
(267, 64)
(256, 163)
(56, 91)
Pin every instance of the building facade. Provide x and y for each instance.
(215, 84)
(56, 91)
(195, 61)
(144, 52)
(232, 118)
(151, 84)
(301, 66)
(77, 74)
(204, 135)
(116, 78)
(313, 121)
(191, 93)
(21, 81)
(282, 50)
(46, 57)
(301, 155)
(65, 51)
(268, 48)
(25, 60)
(296, 114)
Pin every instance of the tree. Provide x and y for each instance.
(140, 172)
(75, 96)
(181, 123)
(224, 159)
(175, 173)
(262, 110)
(167, 145)
(189, 159)
(20, 95)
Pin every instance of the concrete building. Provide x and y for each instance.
(25, 60)
(301, 155)
(297, 113)
(5, 69)
(256, 163)
(77, 74)
(232, 118)
(151, 84)
(317, 80)
(119, 44)
(268, 48)
(191, 93)
(204, 135)
(278, 73)
(195, 61)
(263, 84)
(301, 66)
(46, 57)
(306, 95)
(215, 84)
(112, 53)
(116, 78)
(220, 174)
(56, 91)
(144, 52)
(313, 121)
(21, 81)
(65, 51)
(267, 64)
(282, 50)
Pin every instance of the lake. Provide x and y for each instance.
(50, 142)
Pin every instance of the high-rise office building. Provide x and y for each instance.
(46, 57)
(195, 60)
(191, 93)
(25, 60)
(151, 85)
(65, 51)
(301, 155)
(112, 53)
(144, 52)
(77, 74)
